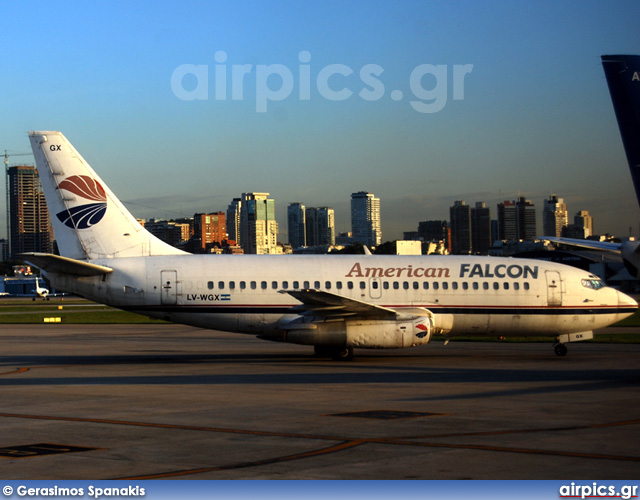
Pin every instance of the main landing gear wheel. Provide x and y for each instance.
(560, 349)
(343, 354)
(338, 354)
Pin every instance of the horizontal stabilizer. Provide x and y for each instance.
(63, 265)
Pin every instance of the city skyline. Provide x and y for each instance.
(483, 212)
(516, 96)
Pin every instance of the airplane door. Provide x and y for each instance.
(375, 288)
(169, 287)
(554, 288)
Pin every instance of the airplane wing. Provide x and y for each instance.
(330, 305)
(595, 245)
(63, 265)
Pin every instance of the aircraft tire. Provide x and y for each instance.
(343, 354)
(560, 349)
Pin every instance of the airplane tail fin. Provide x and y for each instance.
(89, 222)
(623, 78)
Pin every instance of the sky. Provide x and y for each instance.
(182, 106)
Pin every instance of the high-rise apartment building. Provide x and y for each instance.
(583, 219)
(526, 219)
(258, 226)
(29, 224)
(296, 225)
(321, 228)
(435, 231)
(554, 216)
(174, 233)
(365, 219)
(507, 221)
(481, 239)
(517, 220)
(460, 216)
(233, 220)
(209, 229)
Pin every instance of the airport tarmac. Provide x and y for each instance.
(170, 401)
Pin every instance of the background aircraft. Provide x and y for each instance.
(623, 78)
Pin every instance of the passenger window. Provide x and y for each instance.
(396, 285)
(496, 286)
(363, 285)
(210, 285)
(506, 285)
(425, 285)
(475, 285)
(243, 285)
(526, 285)
(436, 285)
(385, 285)
(416, 285)
(375, 285)
(339, 285)
(516, 286)
(274, 285)
(285, 285)
(485, 286)
(305, 285)
(316, 285)
(232, 285)
(327, 285)
(405, 285)
(454, 285)
(263, 285)
(445, 286)
(465, 285)
(350, 285)
(221, 285)
(296, 285)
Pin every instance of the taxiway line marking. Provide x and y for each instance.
(17, 370)
(297, 456)
(344, 443)
(525, 431)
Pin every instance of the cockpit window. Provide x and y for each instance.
(593, 283)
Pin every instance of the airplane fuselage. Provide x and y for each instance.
(462, 295)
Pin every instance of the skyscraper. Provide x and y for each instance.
(584, 220)
(296, 225)
(258, 226)
(517, 220)
(321, 230)
(507, 221)
(29, 224)
(365, 219)
(526, 219)
(554, 216)
(481, 239)
(233, 220)
(460, 214)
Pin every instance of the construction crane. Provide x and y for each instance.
(7, 154)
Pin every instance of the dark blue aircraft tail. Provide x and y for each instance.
(623, 77)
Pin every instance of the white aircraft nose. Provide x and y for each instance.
(626, 302)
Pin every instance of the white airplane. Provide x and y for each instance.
(334, 303)
(39, 291)
(623, 79)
